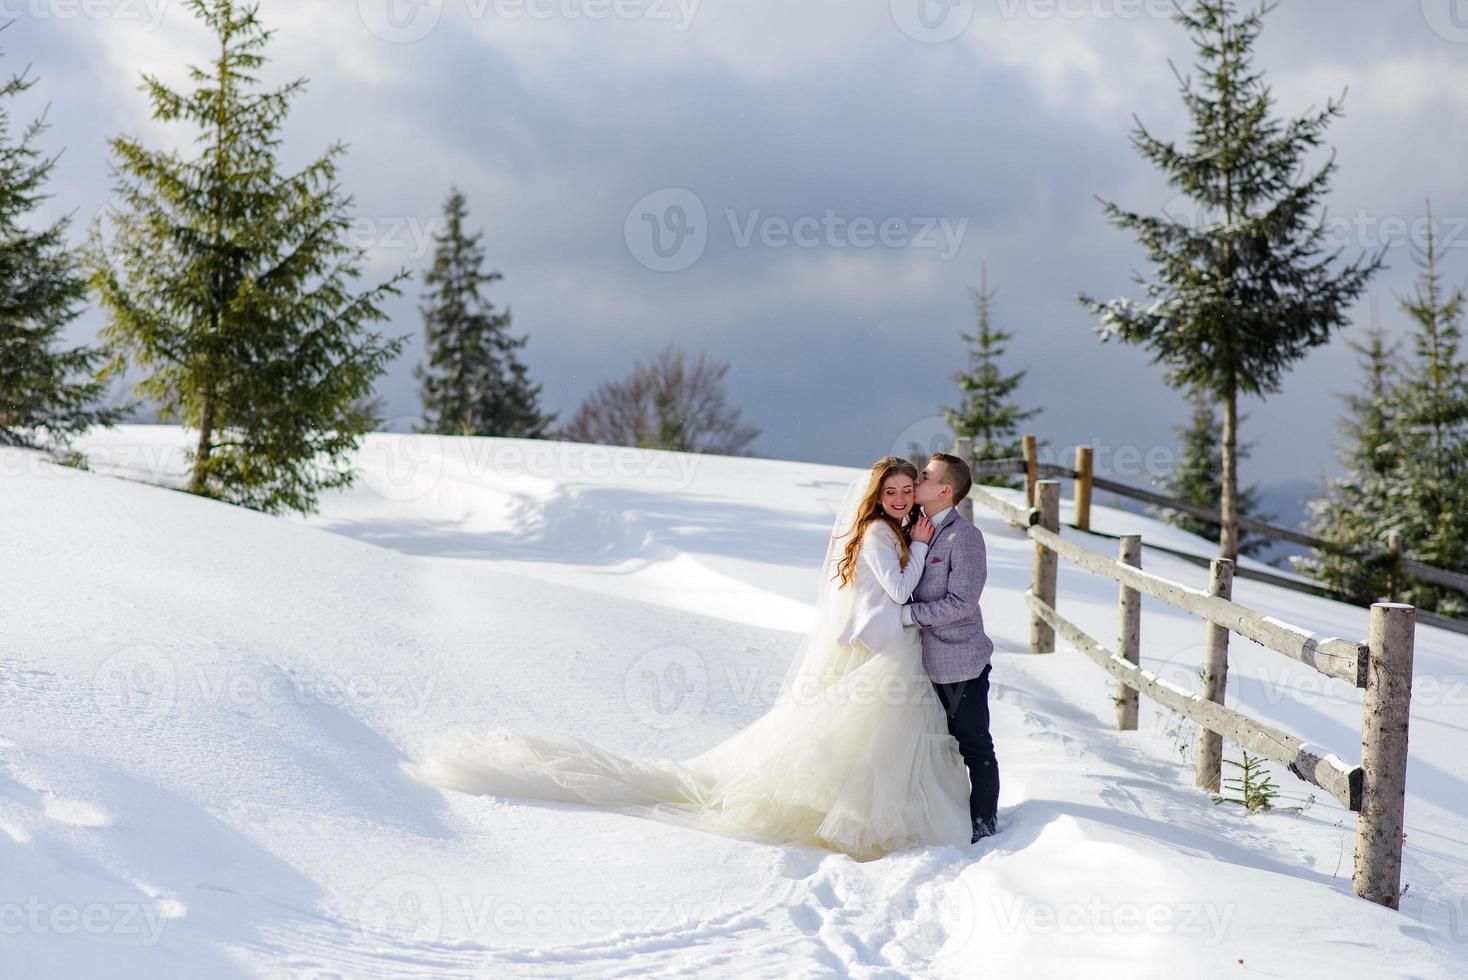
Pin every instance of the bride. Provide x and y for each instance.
(854, 756)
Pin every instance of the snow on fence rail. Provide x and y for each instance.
(1375, 789)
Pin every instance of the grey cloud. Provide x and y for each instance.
(898, 129)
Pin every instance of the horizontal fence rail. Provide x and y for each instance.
(1021, 517)
(1450, 623)
(1437, 576)
(1374, 789)
(1331, 656)
(1309, 762)
(1086, 480)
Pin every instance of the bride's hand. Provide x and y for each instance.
(923, 530)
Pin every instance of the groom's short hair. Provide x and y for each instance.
(956, 474)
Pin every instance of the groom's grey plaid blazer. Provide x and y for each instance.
(945, 604)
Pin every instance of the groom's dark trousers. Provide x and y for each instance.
(967, 705)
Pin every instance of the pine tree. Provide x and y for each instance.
(231, 284)
(1195, 478)
(1241, 296)
(47, 394)
(1431, 406)
(988, 413)
(474, 382)
(1357, 510)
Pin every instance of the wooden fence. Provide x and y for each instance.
(1375, 789)
(1086, 481)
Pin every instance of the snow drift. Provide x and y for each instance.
(203, 711)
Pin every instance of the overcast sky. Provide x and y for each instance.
(824, 180)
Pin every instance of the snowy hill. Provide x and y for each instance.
(203, 709)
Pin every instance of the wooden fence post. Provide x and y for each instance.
(1083, 488)
(1378, 871)
(1129, 640)
(1032, 468)
(1209, 758)
(1042, 578)
(963, 448)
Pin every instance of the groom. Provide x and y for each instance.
(956, 651)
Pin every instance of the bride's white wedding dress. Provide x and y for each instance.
(855, 755)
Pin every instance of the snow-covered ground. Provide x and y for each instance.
(203, 710)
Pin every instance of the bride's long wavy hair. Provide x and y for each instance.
(871, 511)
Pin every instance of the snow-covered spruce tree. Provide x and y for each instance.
(1195, 478)
(988, 412)
(1242, 294)
(1357, 510)
(1431, 406)
(231, 285)
(47, 394)
(474, 382)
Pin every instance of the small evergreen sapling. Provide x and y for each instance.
(1252, 788)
